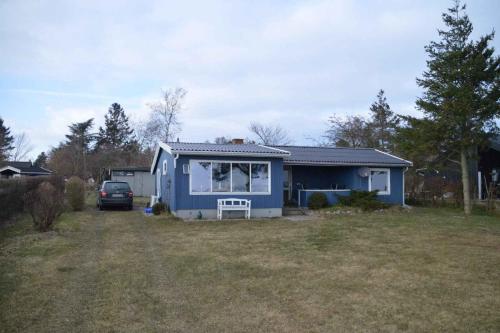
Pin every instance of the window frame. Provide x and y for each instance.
(231, 177)
(388, 192)
(165, 167)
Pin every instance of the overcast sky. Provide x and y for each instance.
(293, 63)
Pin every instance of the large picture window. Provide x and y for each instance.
(260, 177)
(229, 177)
(201, 176)
(380, 180)
(221, 177)
(241, 177)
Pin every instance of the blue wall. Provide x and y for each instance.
(324, 177)
(179, 185)
(175, 185)
(167, 181)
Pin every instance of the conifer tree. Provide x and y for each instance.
(116, 132)
(461, 90)
(6, 141)
(383, 123)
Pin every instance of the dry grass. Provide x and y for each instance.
(117, 271)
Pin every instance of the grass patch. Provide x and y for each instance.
(427, 270)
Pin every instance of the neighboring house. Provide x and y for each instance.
(190, 177)
(139, 178)
(488, 166)
(18, 169)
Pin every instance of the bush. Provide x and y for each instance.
(365, 200)
(158, 208)
(12, 192)
(75, 193)
(44, 204)
(317, 200)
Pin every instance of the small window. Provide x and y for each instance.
(165, 167)
(380, 180)
(185, 169)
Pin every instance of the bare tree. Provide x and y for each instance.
(270, 135)
(353, 132)
(222, 140)
(22, 147)
(164, 124)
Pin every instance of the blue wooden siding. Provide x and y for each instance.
(327, 177)
(167, 182)
(186, 201)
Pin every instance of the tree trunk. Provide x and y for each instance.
(465, 181)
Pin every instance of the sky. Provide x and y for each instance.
(287, 63)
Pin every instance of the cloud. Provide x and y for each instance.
(287, 62)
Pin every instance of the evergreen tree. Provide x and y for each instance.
(117, 132)
(461, 90)
(383, 123)
(79, 141)
(41, 160)
(6, 141)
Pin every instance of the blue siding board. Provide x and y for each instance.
(167, 182)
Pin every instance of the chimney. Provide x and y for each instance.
(237, 141)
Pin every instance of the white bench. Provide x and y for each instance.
(233, 204)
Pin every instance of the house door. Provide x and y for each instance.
(287, 185)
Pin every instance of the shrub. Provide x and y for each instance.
(158, 208)
(317, 200)
(365, 200)
(75, 193)
(12, 192)
(44, 204)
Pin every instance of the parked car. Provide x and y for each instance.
(115, 194)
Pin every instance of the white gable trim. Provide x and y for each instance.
(161, 145)
(393, 156)
(8, 167)
(277, 149)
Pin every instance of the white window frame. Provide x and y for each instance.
(231, 178)
(388, 192)
(165, 167)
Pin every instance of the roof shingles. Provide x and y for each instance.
(186, 147)
(340, 156)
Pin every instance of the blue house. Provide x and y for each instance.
(190, 177)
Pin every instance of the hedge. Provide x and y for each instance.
(13, 190)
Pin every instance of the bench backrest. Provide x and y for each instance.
(233, 202)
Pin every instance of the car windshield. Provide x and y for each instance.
(116, 187)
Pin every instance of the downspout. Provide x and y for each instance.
(175, 160)
(404, 171)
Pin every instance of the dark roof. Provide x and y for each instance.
(214, 149)
(26, 167)
(340, 156)
(131, 168)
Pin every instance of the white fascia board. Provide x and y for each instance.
(8, 167)
(285, 152)
(394, 156)
(161, 145)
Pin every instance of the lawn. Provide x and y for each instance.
(118, 271)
